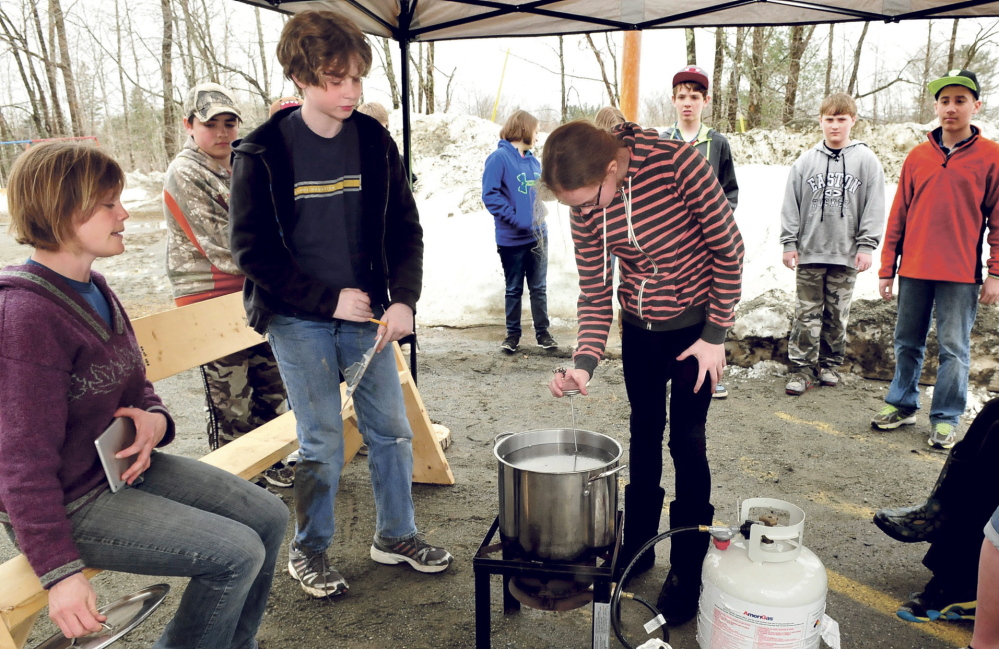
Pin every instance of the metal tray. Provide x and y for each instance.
(123, 616)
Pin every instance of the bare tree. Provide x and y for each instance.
(121, 83)
(924, 98)
(985, 37)
(428, 79)
(57, 123)
(856, 59)
(564, 115)
(829, 61)
(717, 99)
(953, 42)
(612, 96)
(756, 73)
(691, 46)
(170, 143)
(66, 66)
(36, 96)
(799, 42)
(735, 76)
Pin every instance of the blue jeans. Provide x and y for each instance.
(530, 262)
(311, 356)
(189, 519)
(955, 306)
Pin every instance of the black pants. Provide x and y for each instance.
(649, 359)
(969, 496)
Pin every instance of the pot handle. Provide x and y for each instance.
(501, 436)
(607, 473)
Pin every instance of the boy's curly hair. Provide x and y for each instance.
(314, 43)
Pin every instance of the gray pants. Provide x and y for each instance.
(818, 334)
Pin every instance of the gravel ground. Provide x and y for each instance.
(816, 451)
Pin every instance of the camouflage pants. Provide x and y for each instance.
(244, 392)
(818, 335)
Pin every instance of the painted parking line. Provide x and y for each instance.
(947, 631)
(865, 595)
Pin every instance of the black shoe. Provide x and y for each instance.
(911, 524)
(545, 341)
(511, 344)
(678, 598)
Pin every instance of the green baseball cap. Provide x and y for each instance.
(964, 78)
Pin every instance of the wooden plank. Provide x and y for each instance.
(188, 336)
(429, 464)
(253, 452)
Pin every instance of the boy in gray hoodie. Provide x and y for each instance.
(831, 222)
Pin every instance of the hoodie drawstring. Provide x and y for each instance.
(842, 202)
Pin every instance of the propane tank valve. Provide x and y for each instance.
(722, 535)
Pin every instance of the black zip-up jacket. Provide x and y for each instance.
(262, 217)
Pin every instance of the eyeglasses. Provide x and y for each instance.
(595, 202)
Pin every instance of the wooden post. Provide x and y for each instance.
(630, 67)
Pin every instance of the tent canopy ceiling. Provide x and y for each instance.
(431, 20)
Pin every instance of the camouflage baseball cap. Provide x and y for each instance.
(206, 100)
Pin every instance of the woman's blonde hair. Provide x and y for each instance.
(520, 127)
(576, 155)
(54, 187)
(608, 117)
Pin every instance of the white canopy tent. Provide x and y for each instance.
(430, 20)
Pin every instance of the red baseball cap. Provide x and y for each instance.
(693, 74)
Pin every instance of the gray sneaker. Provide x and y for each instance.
(798, 383)
(829, 377)
(891, 417)
(943, 436)
(419, 554)
(317, 577)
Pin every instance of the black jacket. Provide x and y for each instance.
(262, 216)
(715, 147)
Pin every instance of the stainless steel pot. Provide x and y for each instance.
(555, 502)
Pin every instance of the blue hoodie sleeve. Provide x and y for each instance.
(498, 204)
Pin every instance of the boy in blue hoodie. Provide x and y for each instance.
(831, 223)
(509, 190)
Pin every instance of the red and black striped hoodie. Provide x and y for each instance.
(674, 233)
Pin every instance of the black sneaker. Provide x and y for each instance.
(936, 603)
(511, 344)
(545, 341)
(317, 577)
(415, 551)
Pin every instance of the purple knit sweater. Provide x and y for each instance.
(63, 373)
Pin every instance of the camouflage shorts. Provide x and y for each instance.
(818, 334)
(244, 392)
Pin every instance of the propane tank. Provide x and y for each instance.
(764, 592)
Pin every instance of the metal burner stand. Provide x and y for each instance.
(599, 570)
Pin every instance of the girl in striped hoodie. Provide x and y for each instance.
(655, 204)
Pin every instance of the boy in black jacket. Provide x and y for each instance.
(326, 230)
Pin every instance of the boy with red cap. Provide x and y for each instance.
(690, 96)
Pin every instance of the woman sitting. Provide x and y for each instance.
(69, 365)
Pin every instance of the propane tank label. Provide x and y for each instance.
(727, 622)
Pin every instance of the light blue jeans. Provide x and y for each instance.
(311, 356)
(955, 306)
(189, 519)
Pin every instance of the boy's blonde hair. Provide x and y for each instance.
(314, 43)
(376, 110)
(520, 127)
(608, 117)
(55, 186)
(838, 103)
(691, 86)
